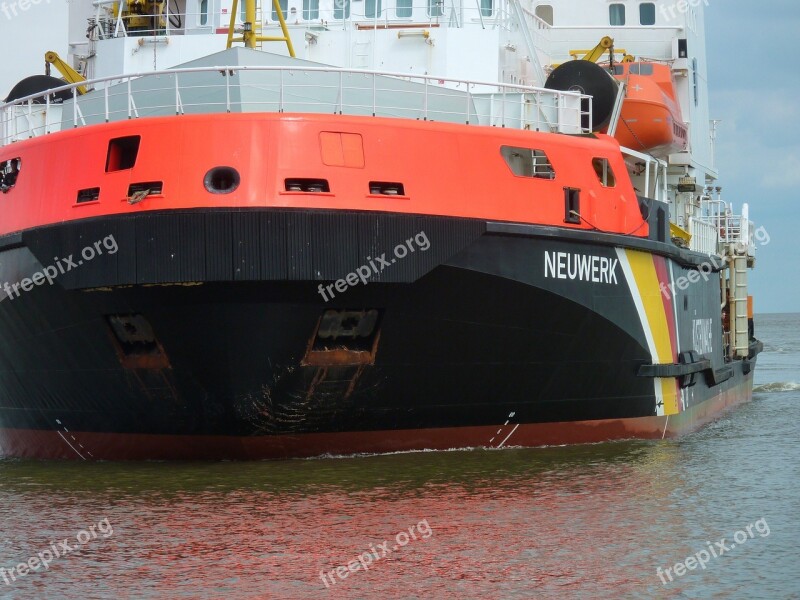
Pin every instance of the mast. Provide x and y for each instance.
(251, 29)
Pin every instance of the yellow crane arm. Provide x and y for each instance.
(595, 53)
(605, 45)
(69, 74)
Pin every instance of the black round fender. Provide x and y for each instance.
(588, 78)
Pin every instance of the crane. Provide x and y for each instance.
(69, 74)
(606, 44)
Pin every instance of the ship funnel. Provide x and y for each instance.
(587, 78)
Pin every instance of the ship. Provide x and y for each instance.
(237, 232)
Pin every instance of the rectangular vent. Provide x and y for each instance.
(308, 185)
(122, 153)
(572, 206)
(145, 188)
(662, 224)
(88, 195)
(386, 188)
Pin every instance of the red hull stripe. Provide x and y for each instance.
(111, 446)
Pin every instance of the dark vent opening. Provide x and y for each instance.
(662, 224)
(221, 180)
(386, 188)
(151, 187)
(307, 185)
(9, 171)
(683, 48)
(572, 206)
(88, 195)
(122, 153)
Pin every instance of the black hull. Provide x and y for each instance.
(472, 337)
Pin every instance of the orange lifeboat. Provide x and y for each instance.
(651, 115)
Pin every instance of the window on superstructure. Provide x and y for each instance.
(616, 13)
(284, 9)
(372, 9)
(403, 8)
(242, 11)
(203, 12)
(435, 8)
(647, 13)
(604, 173)
(310, 10)
(341, 9)
(486, 8)
(695, 82)
(545, 13)
(527, 162)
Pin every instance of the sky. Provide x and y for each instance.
(754, 82)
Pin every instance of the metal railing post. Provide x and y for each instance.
(228, 91)
(503, 109)
(74, 107)
(280, 91)
(425, 101)
(341, 93)
(469, 103)
(177, 96)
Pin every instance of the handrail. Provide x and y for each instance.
(487, 93)
(234, 68)
(732, 230)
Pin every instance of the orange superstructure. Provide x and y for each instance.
(443, 169)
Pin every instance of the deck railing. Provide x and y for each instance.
(732, 233)
(330, 90)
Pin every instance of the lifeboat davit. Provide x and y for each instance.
(651, 115)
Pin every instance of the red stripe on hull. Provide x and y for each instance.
(111, 446)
